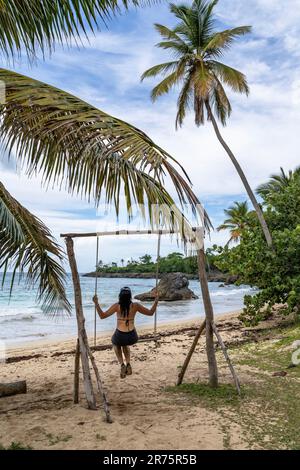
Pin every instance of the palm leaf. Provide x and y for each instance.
(27, 246)
(223, 40)
(221, 102)
(39, 24)
(65, 139)
(160, 69)
(233, 78)
(184, 100)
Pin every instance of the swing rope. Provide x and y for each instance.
(96, 284)
(96, 292)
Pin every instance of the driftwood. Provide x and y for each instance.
(13, 388)
(12, 359)
(190, 353)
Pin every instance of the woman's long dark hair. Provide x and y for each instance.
(125, 300)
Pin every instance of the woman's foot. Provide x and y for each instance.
(123, 371)
(128, 369)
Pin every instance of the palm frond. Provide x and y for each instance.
(278, 182)
(222, 41)
(220, 102)
(176, 48)
(184, 100)
(64, 139)
(165, 85)
(160, 69)
(236, 80)
(171, 35)
(208, 22)
(26, 246)
(38, 24)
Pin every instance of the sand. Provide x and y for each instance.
(145, 415)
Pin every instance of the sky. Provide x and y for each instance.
(263, 131)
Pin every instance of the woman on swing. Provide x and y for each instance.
(125, 334)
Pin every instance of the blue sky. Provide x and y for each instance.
(263, 131)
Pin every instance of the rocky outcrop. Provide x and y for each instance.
(171, 287)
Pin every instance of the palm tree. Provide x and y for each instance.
(67, 141)
(196, 48)
(278, 183)
(238, 219)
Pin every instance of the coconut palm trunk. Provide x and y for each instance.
(242, 175)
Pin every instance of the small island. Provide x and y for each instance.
(145, 268)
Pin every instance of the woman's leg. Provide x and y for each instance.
(126, 352)
(118, 352)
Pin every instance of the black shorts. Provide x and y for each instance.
(124, 338)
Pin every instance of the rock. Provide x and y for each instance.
(296, 345)
(171, 287)
(280, 374)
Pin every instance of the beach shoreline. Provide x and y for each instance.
(145, 414)
(104, 337)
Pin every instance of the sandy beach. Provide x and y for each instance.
(145, 415)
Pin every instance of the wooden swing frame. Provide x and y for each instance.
(83, 349)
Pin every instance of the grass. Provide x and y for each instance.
(16, 446)
(225, 393)
(269, 410)
(53, 440)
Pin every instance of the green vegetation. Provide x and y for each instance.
(275, 272)
(225, 393)
(15, 446)
(172, 263)
(53, 440)
(269, 411)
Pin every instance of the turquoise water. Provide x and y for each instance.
(22, 320)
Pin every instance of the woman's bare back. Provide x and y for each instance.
(126, 323)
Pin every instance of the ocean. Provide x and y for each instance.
(22, 320)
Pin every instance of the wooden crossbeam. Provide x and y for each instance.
(126, 232)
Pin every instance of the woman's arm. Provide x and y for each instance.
(146, 311)
(101, 313)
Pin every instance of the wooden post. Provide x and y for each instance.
(82, 336)
(101, 388)
(209, 314)
(223, 347)
(190, 353)
(76, 374)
